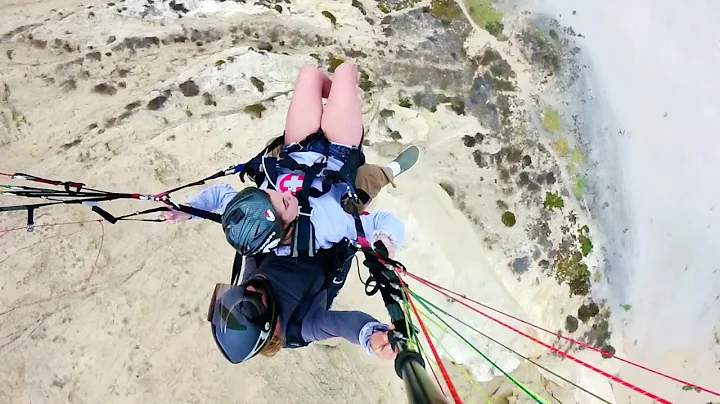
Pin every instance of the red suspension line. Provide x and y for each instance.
(443, 370)
(559, 352)
(582, 344)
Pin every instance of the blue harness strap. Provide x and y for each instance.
(304, 237)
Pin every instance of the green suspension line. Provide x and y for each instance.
(413, 342)
(518, 384)
(464, 371)
(512, 350)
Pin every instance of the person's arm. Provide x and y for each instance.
(320, 324)
(354, 326)
(378, 224)
(213, 198)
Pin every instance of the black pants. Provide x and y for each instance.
(336, 262)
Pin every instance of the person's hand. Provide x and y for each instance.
(388, 244)
(174, 216)
(380, 344)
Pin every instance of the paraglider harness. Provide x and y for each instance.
(337, 260)
(409, 364)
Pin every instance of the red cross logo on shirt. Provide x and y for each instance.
(292, 183)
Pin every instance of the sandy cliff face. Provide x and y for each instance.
(144, 96)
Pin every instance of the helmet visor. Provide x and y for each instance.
(241, 323)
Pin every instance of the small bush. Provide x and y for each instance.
(508, 219)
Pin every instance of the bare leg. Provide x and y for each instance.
(306, 107)
(342, 119)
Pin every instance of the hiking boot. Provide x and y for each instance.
(405, 160)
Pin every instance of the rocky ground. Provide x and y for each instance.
(147, 95)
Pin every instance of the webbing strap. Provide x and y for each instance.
(215, 217)
(304, 237)
(237, 268)
(270, 165)
(92, 197)
(253, 168)
(30, 219)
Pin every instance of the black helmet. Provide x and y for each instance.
(241, 324)
(250, 222)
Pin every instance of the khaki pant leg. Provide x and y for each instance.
(369, 181)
